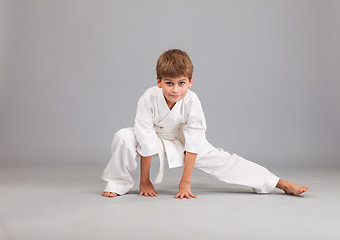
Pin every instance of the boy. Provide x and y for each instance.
(170, 120)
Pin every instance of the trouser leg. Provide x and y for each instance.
(233, 169)
(123, 162)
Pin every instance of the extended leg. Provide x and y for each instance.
(233, 169)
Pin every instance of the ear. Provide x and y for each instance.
(190, 83)
(159, 83)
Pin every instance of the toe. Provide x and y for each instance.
(112, 194)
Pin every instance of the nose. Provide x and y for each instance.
(175, 89)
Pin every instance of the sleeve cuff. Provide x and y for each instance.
(191, 149)
(146, 152)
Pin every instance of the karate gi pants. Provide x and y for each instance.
(229, 168)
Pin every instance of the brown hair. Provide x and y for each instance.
(174, 63)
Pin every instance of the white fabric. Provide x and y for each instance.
(180, 129)
(233, 169)
(229, 168)
(159, 130)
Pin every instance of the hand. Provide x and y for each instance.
(146, 188)
(184, 191)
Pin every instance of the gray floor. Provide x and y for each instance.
(65, 203)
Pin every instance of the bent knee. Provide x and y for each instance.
(125, 135)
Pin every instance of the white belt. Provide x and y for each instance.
(175, 154)
(160, 174)
(169, 135)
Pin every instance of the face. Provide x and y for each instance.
(174, 89)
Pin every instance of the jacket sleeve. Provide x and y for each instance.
(194, 127)
(145, 133)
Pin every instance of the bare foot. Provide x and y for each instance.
(291, 188)
(109, 194)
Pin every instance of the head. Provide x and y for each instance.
(174, 75)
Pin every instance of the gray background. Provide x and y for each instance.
(267, 74)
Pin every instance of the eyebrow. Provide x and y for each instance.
(168, 79)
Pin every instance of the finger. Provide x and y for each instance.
(177, 196)
(141, 193)
(192, 195)
(181, 197)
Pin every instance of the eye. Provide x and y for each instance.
(181, 83)
(168, 83)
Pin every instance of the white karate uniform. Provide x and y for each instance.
(159, 130)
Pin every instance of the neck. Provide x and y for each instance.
(171, 105)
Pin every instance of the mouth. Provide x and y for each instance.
(175, 96)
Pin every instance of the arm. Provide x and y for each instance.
(185, 184)
(145, 186)
(194, 133)
(144, 131)
(145, 163)
(147, 143)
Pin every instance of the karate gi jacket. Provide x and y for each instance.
(159, 130)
